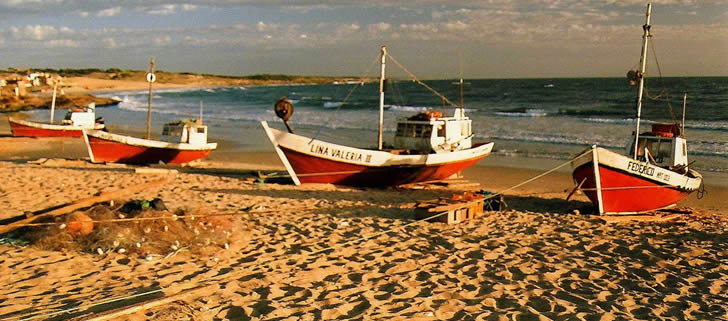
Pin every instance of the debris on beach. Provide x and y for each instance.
(143, 227)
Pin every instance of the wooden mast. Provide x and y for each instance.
(643, 67)
(53, 101)
(150, 79)
(682, 125)
(381, 97)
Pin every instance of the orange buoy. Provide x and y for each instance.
(79, 224)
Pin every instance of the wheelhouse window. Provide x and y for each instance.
(658, 148)
(414, 130)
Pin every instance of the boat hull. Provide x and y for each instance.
(621, 185)
(313, 161)
(23, 128)
(112, 148)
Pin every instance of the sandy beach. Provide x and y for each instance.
(275, 251)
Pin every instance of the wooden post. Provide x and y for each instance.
(53, 102)
(597, 179)
(381, 98)
(150, 79)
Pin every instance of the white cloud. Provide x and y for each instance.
(344, 30)
(110, 12)
(34, 32)
(83, 14)
(109, 43)
(379, 27)
(163, 10)
(59, 43)
(455, 26)
(189, 7)
(162, 41)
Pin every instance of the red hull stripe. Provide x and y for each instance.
(310, 169)
(622, 192)
(109, 151)
(20, 130)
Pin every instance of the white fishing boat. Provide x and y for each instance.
(427, 147)
(181, 142)
(76, 120)
(653, 174)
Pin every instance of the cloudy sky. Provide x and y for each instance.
(433, 38)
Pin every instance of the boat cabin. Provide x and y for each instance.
(664, 145)
(81, 117)
(185, 132)
(430, 132)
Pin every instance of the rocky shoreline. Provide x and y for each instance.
(78, 86)
(67, 101)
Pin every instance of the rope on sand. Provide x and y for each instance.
(266, 265)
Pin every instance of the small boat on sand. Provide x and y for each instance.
(181, 142)
(76, 120)
(654, 173)
(427, 147)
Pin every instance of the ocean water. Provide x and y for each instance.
(530, 118)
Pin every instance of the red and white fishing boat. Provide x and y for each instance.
(181, 142)
(428, 147)
(653, 175)
(73, 124)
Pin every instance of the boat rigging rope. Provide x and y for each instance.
(662, 83)
(351, 92)
(444, 99)
(266, 265)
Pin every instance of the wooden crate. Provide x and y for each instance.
(449, 211)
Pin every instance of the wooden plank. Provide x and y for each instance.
(454, 206)
(150, 170)
(463, 185)
(616, 219)
(83, 203)
(114, 314)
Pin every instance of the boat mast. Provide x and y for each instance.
(643, 67)
(381, 97)
(150, 79)
(682, 125)
(200, 111)
(462, 103)
(53, 102)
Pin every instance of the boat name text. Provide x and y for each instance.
(340, 154)
(641, 168)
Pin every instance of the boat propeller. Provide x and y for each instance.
(284, 109)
